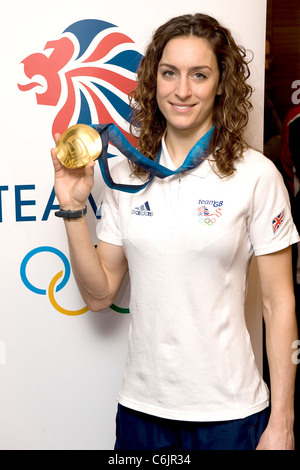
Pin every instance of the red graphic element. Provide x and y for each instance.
(49, 68)
(204, 211)
(106, 45)
(65, 75)
(277, 222)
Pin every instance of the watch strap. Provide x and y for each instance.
(68, 214)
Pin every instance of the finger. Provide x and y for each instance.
(56, 163)
(56, 137)
(91, 165)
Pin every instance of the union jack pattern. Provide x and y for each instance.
(277, 222)
(89, 72)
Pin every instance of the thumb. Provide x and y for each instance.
(89, 169)
(56, 163)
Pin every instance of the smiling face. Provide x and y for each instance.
(187, 84)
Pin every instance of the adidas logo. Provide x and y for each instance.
(144, 210)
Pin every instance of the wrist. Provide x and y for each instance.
(78, 220)
(282, 419)
(69, 214)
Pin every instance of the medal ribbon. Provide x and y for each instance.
(111, 133)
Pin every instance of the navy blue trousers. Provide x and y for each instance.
(140, 431)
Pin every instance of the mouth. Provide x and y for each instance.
(182, 108)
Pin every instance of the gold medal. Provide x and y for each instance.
(78, 145)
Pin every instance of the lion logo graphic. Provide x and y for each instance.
(87, 74)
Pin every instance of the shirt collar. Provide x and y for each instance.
(200, 171)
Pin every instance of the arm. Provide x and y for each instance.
(98, 273)
(275, 272)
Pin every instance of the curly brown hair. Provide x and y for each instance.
(231, 111)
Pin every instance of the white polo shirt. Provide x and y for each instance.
(188, 240)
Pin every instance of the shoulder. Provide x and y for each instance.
(254, 165)
(252, 157)
(120, 168)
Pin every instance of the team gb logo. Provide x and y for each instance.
(87, 73)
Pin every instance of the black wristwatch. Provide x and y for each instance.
(71, 214)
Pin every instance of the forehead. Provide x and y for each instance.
(188, 51)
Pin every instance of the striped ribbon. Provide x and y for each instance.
(111, 133)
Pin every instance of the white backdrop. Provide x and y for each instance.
(60, 372)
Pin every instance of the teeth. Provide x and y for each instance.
(181, 107)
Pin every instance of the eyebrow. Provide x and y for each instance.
(192, 69)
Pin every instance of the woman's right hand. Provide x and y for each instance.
(72, 186)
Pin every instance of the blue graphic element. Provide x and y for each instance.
(44, 249)
(85, 114)
(128, 60)
(86, 30)
(120, 106)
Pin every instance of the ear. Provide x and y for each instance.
(220, 89)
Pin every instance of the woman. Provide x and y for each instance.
(191, 381)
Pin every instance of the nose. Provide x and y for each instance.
(183, 89)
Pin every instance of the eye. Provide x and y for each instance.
(200, 76)
(168, 73)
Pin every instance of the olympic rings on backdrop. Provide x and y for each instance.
(56, 305)
(41, 249)
(53, 287)
(37, 290)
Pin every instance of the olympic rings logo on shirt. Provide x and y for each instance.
(56, 284)
(207, 221)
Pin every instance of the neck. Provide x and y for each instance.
(179, 143)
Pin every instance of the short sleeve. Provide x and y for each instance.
(108, 227)
(271, 226)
